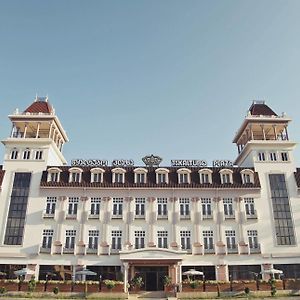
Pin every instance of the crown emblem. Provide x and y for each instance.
(152, 160)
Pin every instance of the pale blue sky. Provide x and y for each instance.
(130, 78)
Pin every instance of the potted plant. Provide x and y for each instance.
(137, 282)
(110, 284)
(168, 283)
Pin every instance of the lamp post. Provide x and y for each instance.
(218, 285)
(230, 279)
(283, 281)
(72, 284)
(204, 285)
(46, 283)
(100, 281)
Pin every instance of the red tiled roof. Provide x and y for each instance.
(39, 107)
(151, 179)
(258, 109)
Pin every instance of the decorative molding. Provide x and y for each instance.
(62, 198)
(152, 160)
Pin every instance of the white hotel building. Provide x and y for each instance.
(151, 220)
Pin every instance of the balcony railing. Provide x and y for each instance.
(45, 249)
(94, 215)
(48, 214)
(232, 249)
(229, 216)
(252, 216)
(67, 250)
(209, 251)
(255, 249)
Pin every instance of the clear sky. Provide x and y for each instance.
(130, 78)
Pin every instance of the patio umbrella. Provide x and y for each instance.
(192, 272)
(24, 271)
(86, 272)
(272, 271)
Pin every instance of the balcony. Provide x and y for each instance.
(162, 216)
(185, 216)
(67, 250)
(232, 249)
(48, 214)
(94, 215)
(252, 216)
(92, 250)
(207, 217)
(209, 251)
(45, 249)
(255, 249)
(230, 216)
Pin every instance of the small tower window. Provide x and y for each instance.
(205, 176)
(118, 175)
(184, 175)
(38, 154)
(226, 176)
(261, 156)
(14, 154)
(284, 156)
(26, 154)
(162, 175)
(75, 175)
(273, 156)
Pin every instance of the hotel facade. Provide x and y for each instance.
(229, 220)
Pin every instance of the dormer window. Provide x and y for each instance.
(226, 176)
(53, 175)
(184, 175)
(162, 175)
(247, 176)
(118, 175)
(205, 176)
(97, 175)
(75, 175)
(26, 154)
(140, 175)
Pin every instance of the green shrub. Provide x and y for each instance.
(55, 290)
(31, 284)
(137, 282)
(2, 290)
(110, 284)
(247, 291)
(193, 284)
(167, 280)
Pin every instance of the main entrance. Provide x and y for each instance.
(153, 277)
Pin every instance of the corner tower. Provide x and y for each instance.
(36, 136)
(263, 137)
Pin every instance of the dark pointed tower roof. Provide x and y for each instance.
(259, 108)
(40, 105)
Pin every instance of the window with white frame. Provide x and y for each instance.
(140, 175)
(38, 154)
(228, 206)
(205, 176)
(183, 175)
(73, 205)
(249, 206)
(284, 156)
(26, 154)
(162, 239)
(116, 239)
(261, 156)
(247, 176)
(139, 237)
(230, 239)
(208, 239)
(118, 175)
(97, 175)
(14, 154)
(206, 207)
(273, 156)
(70, 239)
(93, 239)
(75, 175)
(117, 207)
(162, 175)
(184, 204)
(95, 206)
(162, 206)
(185, 239)
(50, 205)
(252, 239)
(140, 207)
(47, 238)
(53, 175)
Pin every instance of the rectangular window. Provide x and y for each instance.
(75, 177)
(162, 209)
(206, 207)
(70, 239)
(119, 177)
(184, 207)
(204, 178)
(95, 205)
(139, 239)
(26, 154)
(208, 240)
(162, 239)
(116, 241)
(185, 238)
(38, 154)
(183, 178)
(140, 207)
(284, 227)
(17, 209)
(14, 154)
(230, 239)
(261, 156)
(273, 156)
(246, 178)
(140, 178)
(284, 156)
(161, 178)
(73, 205)
(96, 177)
(50, 205)
(249, 206)
(47, 238)
(117, 207)
(226, 178)
(228, 207)
(252, 239)
(93, 239)
(54, 176)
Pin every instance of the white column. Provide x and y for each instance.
(126, 267)
(37, 130)
(25, 130)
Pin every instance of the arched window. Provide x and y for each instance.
(97, 175)
(118, 175)
(162, 175)
(140, 175)
(205, 176)
(226, 176)
(75, 175)
(184, 175)
(53, 174)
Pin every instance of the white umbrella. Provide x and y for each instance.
(24, 272)
(192, 272)
(86, 272)
(272, 271)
